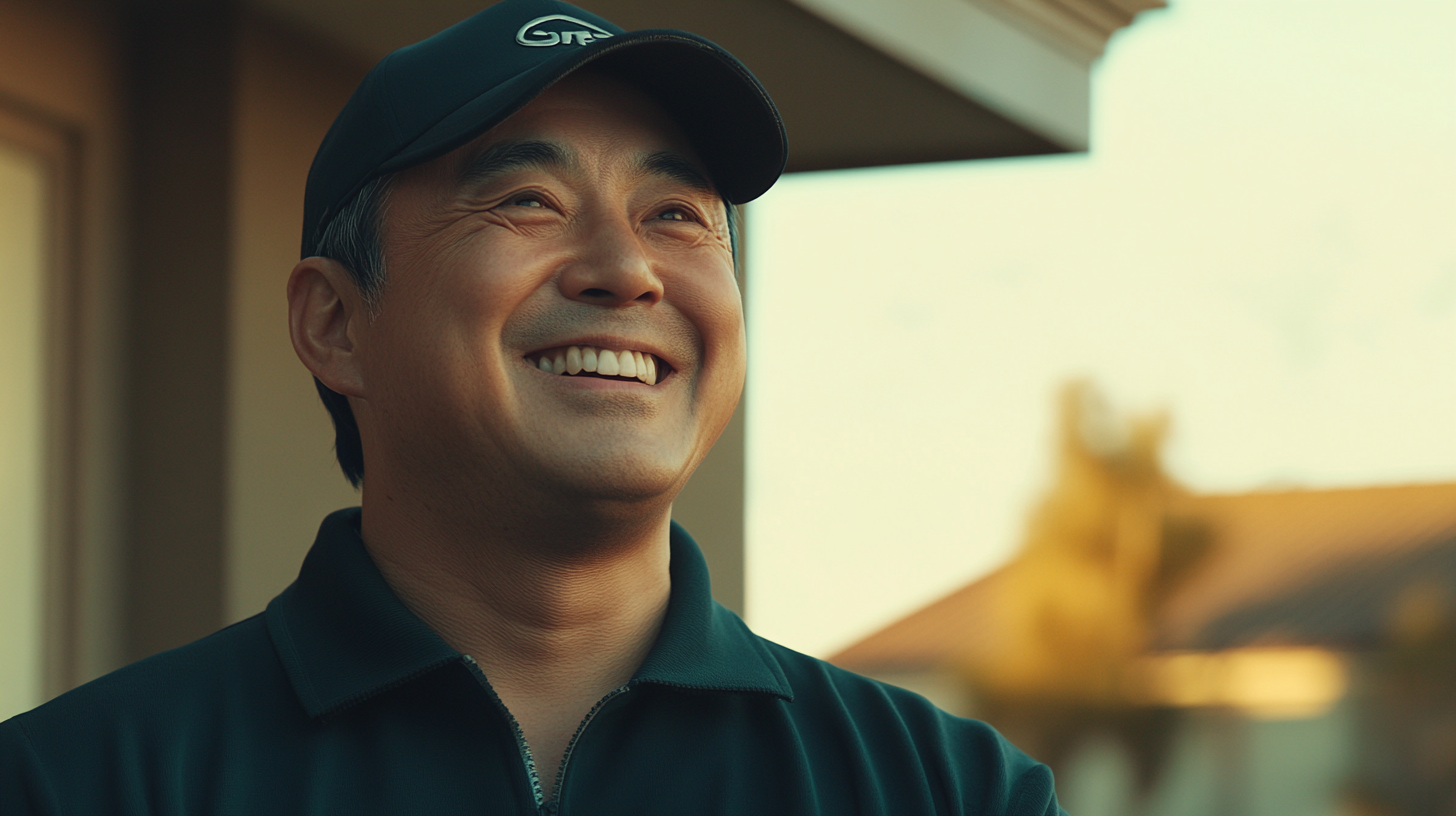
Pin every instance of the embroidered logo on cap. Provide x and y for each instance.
(536, 35)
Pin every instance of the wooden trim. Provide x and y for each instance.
(59, 149)
(1081, 27)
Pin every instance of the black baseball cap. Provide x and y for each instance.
(427, 99)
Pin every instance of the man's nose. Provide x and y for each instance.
(612, 269)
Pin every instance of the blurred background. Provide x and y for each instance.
(1098, 382)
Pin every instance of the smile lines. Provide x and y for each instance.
(575, 360)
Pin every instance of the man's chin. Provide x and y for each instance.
(607, 481)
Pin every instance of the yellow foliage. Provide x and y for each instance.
(1073, 608)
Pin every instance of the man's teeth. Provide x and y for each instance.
(576, 359)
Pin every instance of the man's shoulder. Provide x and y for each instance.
(165, 708)
(905, 734)
(206, 670)
(821, 685)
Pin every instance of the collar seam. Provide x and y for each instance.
(771, 662)
(292, 660)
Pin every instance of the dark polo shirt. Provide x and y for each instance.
(338, 700)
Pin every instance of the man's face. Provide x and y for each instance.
(585, 221)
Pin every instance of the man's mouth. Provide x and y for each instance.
(591, 361)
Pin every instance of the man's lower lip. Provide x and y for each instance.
(600, 383)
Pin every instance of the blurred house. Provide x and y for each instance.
(164, 461)
(1275, 652)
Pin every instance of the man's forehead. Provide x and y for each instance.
(490, 160)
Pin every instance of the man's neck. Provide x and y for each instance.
(557, 613)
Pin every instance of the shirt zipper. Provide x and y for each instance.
(543, 807)
(555, 804)
(522, 746)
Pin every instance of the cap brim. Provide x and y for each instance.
(721, 107)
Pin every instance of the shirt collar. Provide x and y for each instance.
(344, 637)
(702, 645)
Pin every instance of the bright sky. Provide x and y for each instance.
(1262, 241)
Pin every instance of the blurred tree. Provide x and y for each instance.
(1076, 605)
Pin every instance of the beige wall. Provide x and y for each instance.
(281, 474)
(60, 63)
(66, 65)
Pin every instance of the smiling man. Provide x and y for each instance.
(558, 342)
(518, 300)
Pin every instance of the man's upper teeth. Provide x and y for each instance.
(576, 359)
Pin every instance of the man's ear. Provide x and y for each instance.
(325, 316)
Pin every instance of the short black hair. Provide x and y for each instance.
(352, 237)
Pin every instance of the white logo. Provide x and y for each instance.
(539, 37)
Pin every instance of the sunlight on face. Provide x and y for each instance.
(581, 222)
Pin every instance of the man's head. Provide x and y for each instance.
(591, 213)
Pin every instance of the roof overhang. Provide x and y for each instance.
(859, 82)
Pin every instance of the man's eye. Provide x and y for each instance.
(674, 215)
(525, 199)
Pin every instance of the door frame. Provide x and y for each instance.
(58, 147)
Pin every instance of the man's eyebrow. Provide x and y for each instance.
(676, 167)
(508, 157)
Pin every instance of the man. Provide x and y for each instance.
(518, 300)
